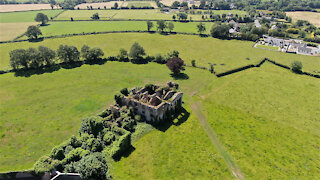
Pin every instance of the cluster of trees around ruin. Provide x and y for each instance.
(101, 137)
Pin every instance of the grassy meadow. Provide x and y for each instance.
(49, 109)
(11, 30)
(266, 118)
(27, 16)
(60, 28)
(151, 14)
(224, 54)
(271, 120)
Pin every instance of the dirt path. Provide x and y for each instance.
(196, 106)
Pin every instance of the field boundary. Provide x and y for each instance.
(187, 21)
(28, 10)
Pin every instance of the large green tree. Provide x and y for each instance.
(91, 54)
(68, 53)
(162, 25)
(41, 18)
(33, 32)
(136, 51)
(47, 55)
(220, 31)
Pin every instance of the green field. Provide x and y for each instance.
(138, 4)
(225, 54)
(153, 14)
(27, 16)
(60, 28)
(265, 117)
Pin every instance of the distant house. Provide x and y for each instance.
(257, 23)
(271, 41)
(235, 25)
(274, 27)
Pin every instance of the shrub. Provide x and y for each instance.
(160, 59)
(94, 145)
(121, 146)
(124, 91)
(92, 125)
(57, 153)
(75, 155)
(296, 67)
(68, 149)
(211, 69)
(45, 164)
(193, 63)
(108, 138)
(95, 16)
(93, 166)
(75, 142)
(123, 55)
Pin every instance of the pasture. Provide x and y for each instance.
(24, 7)
(312, 17)
(100, 5)
(73, 94)
(139, 4)
(265, 136)
(11, 30)
(60, 28)
(27, 16)
(150, 14)
(224, 54)
(271, 117)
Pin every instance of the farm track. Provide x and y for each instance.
(196, 106)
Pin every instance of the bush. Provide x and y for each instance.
(92, 125)
(124, 91)
(193, 63)
(57, 153)
(175, 65)
(121, 146)
(93, 166)
(108, 138)
(68, 149)
(91, 54)
(95, 16)
(296, 67)
(94, 145)
(136, 51)
(160, 59)
(75, 155)
(45, 164)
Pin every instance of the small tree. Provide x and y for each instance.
(162, 25)
(47, 55)
(173, 54)
(41, 18)
(149, 25)
(220, 31)
(296, 66)
(193, 63)
(68, 53)
(116, 5)
(175, 65)
(33, 32)
(95, 16)
(174, 17)
(91, 54)
(211, 68)
(170, 26)
(136, 51)
(182, 16)
(201, 28)
(123, 54)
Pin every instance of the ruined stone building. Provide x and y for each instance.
(154, 102)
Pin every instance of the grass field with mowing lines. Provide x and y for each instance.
(312, 17)
(27, 16)
(11, 30)
(225, 54)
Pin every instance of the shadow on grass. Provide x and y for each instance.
(30, 72)
(180, 76)
(126, 153)
(97, 62)
(180, 117)
(139, 61)
(36, 40)
(71, 65)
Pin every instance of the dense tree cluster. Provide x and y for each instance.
(44, 56)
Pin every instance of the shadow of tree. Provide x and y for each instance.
(36, 40)
(180, 76)
(30, 72)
